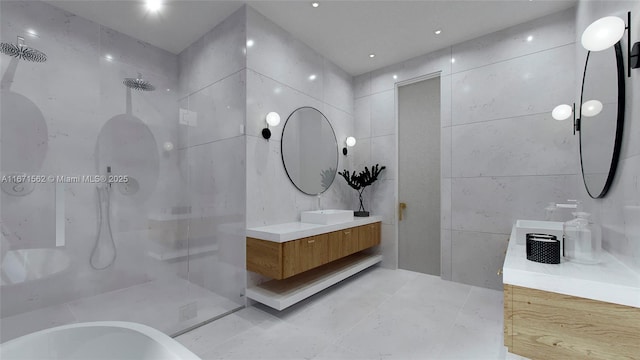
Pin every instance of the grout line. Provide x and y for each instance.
(441, 348)
(70, 310)
(496, 119)
(374, 309)
(479, 232)
(300, 91)
(241, 332)
(210, 142)
(376, 93)
(451, 72)
(189, 94)
(450, 149)
(509, 59)
(509, 176)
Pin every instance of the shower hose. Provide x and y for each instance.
(92, 260)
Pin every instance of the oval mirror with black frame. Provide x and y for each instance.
(309, 150)
(601, 118)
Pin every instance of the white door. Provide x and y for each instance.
(419, 176)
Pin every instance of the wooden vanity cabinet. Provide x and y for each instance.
(283, 260)
(544, 325)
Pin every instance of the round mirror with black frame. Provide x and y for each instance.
(601, 118)
(309, 150)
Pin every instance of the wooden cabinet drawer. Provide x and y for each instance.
(343, 243)
(369, 236)
(304, 254)
(349, 241)
(283, 260)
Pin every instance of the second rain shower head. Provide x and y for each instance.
(22, 51)
(138, 84)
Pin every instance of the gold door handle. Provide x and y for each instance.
(310, 241)
(402, 206)
(499, 272)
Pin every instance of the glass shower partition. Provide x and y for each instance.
(108, 212)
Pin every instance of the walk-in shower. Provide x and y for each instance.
(157, 238)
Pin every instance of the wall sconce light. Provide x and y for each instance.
(605, 32)
(350, 142)
(591, 108)
(167, 146)
(272, 119)
(564, 111)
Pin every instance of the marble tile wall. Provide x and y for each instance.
(279, 78)
(502, 156)
(619, 211)
(212, 155)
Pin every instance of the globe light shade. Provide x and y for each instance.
(603, 33)
(562, 112)
(273, 119)
(591, 108)
(351, 141)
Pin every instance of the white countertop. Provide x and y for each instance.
(297, 230)
(610, 281)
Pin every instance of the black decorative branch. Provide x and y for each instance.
(360, 181)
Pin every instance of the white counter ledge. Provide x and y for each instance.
(610, 281)
(295, 230)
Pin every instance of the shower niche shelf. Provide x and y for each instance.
(303, 259)
(164, 253)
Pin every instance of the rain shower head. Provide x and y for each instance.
(138, 84)
(22, 51)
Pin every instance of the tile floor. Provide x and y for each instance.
(377, 314)
(128, 304)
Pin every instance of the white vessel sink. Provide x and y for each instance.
(524, 227)
(326, 217)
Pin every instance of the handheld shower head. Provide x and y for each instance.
(22, 51)
(138, 84)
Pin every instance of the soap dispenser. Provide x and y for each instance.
(582, 239)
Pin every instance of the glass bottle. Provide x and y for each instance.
(582, 239)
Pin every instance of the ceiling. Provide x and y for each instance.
(346, 32)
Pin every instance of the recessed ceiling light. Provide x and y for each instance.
(372, 55)
(250, 43)
(168, 89)
(108, 57)
(395, 77)
(32, 32)
(453, 60)
(437, 32)
(312, 77)
(153, 5)
(315, 4)
(530, 38)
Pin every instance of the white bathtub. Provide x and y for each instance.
(96, 340)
